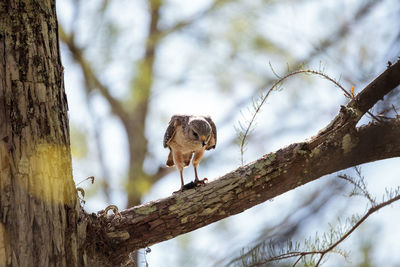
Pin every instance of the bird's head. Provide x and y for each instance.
(200, 130)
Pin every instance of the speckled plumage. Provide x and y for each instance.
(189, 135)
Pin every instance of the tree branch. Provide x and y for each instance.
(91, 78)
(348, 233)
(321, 252)
(339, 146)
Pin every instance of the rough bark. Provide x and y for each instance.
(338, 146)
(39, 211)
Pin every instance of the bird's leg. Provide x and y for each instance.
(182, 183)
(197, 181)
(196, 177)
(178, 161)
(196, 160)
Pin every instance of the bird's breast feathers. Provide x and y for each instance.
(185, 145)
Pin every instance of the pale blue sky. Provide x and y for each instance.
(297, 28)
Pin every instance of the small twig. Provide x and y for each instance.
(361, 187)
(91, 178)
(369, 213)
(257, 106)
(298, 260)
(323, 252)
(395, 111)
(273, 71)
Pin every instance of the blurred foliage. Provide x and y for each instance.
(314, 251)
(131, 64)
(79, 145)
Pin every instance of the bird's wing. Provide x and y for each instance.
(213, 139)
(170, 132)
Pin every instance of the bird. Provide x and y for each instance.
(187, 137)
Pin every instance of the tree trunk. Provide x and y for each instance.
(39, 210)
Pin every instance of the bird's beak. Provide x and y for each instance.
(203, 140)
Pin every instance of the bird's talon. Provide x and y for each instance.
(178, 191)
(201, 182)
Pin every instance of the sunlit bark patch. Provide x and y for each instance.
(43, 173)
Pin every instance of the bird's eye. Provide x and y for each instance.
(195, 134)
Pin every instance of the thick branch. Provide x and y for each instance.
(377, 89)
(337, 147)
(247, 186)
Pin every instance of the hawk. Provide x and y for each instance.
(189, 135)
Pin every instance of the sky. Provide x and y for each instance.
(291, 27)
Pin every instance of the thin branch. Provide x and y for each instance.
(330, 249)
(298, 260)
(371, 211)
(312, 205)
(263, 98)
(360, 185)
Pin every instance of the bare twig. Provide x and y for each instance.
(301, 254)
(257, 106)
(371, 211)
(91, 178)
(360, 185)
